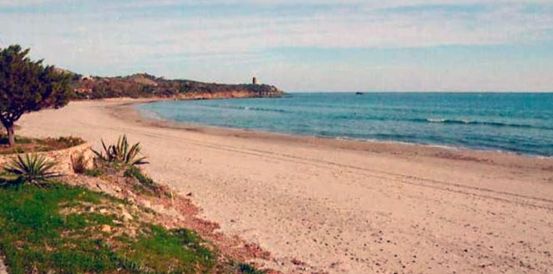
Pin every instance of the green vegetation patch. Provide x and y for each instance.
(30, 145)
(145, 184)
(65, 229)
(166, 250)
(95, 172)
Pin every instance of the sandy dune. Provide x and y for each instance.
(344, 207)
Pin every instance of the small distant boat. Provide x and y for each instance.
(359, 93)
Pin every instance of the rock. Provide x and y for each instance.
(106, 228)
(146, 204)
(126, 215)
(3, 269)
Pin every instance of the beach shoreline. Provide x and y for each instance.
(128, 111)
(341, 206)
(436, 119)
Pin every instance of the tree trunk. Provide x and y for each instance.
(11, 135)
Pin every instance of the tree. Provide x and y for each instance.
(27, 86)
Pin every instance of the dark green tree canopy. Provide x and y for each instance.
(27, 86)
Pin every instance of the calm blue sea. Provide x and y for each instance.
(515, 122)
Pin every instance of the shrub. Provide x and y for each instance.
(31, 168)
(145, 183)
(67, 141)
(248, 269)
(33, 145)
(121, 153)
(135, 172)
(79, 163)
(93, 172)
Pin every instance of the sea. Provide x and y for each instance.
(520, 123)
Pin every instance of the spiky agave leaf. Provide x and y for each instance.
(100, 154)
(135, 159)
(132, 158)
(123, 146)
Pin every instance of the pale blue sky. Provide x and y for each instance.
(318, 45)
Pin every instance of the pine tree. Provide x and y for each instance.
(27, 86)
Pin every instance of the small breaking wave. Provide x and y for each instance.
(248, 108)
(484, 123)
(435, 120)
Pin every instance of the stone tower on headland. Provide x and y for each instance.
(254, 81)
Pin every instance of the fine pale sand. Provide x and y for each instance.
(342, 206)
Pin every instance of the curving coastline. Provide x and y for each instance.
(223, 115)
(128, 111)
(342, 206)
(411, 118)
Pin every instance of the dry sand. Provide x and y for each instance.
(342, 206)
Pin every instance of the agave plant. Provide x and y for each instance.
(31, 168)
(121, 153)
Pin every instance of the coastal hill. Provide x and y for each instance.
(145, 85)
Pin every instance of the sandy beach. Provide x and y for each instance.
(321, 205)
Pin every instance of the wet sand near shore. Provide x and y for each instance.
(342, 206)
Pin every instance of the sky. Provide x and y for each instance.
(309, 45)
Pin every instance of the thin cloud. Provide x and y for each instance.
(105, 36)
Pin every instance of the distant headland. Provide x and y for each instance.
(144, 85)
